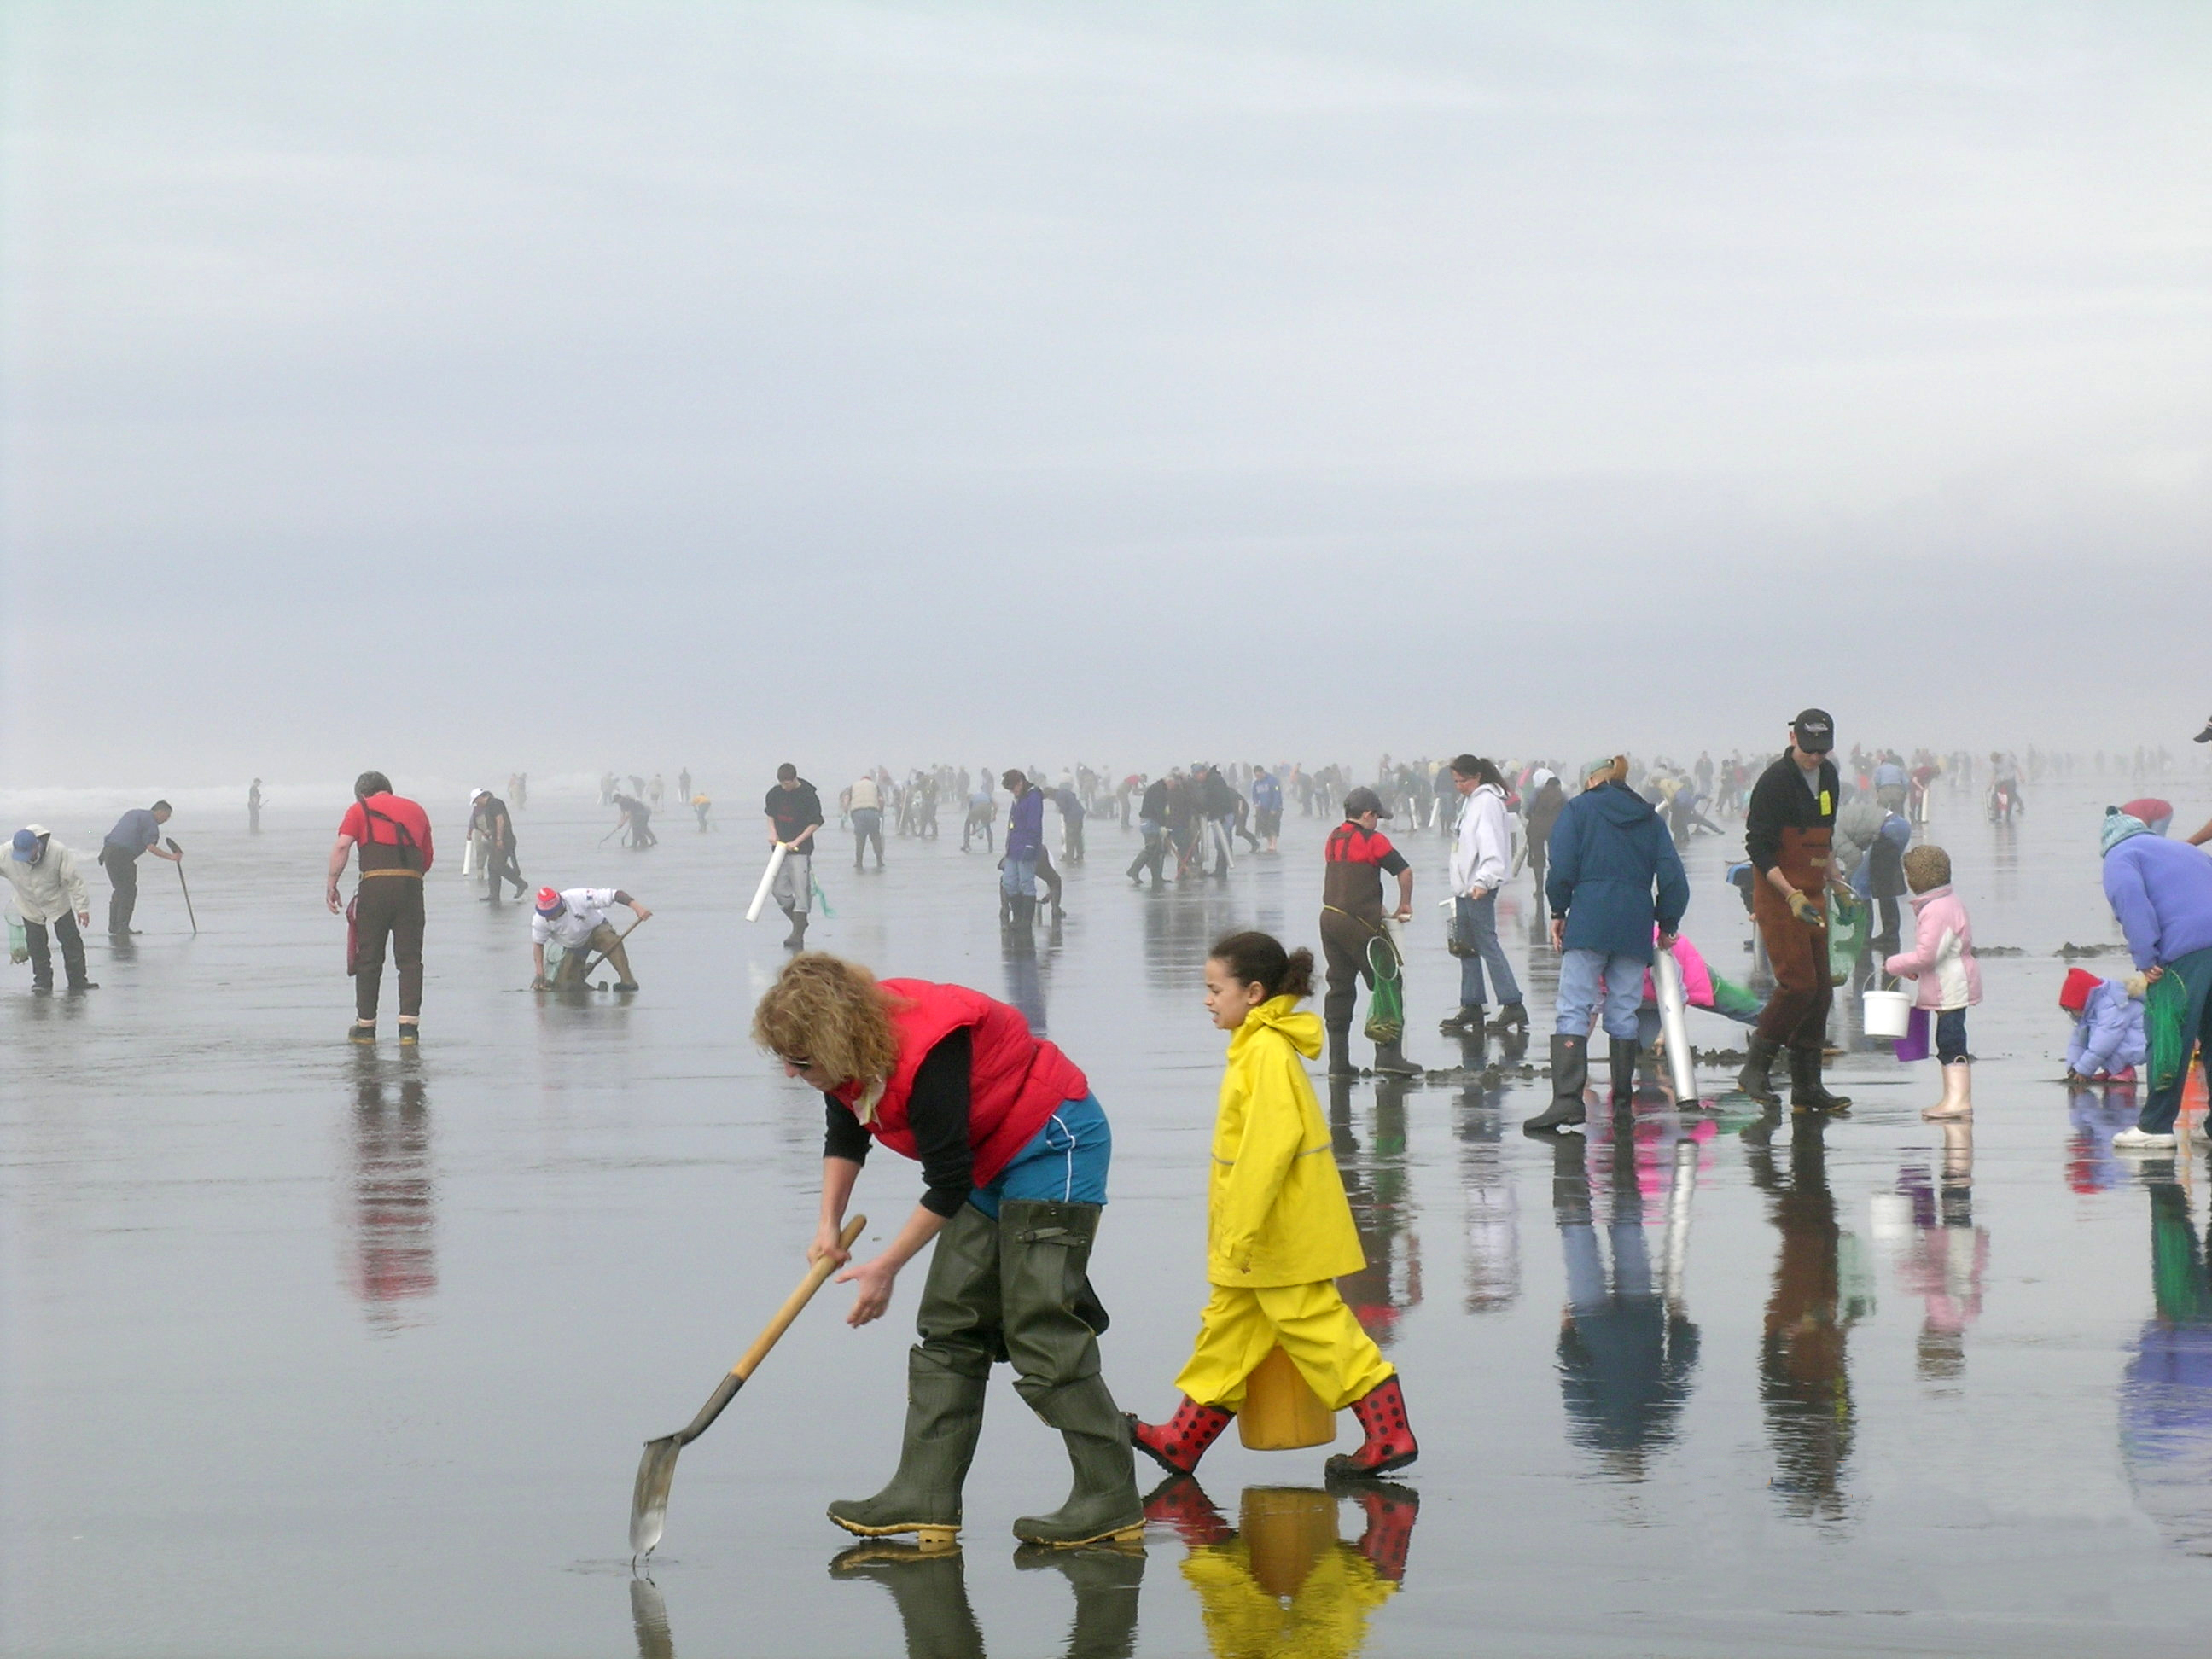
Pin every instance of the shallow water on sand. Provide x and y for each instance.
(316, 1350)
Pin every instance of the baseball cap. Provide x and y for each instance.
(26, 848)
(1363, 801)
(1814, 732)
(548, 901)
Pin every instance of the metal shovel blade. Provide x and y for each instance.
(648, 1503)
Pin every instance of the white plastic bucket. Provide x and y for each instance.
(1884, 1013)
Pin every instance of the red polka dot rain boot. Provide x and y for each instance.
(1389, 1444)
(1177, 1445)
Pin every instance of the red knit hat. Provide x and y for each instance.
(2074, 995)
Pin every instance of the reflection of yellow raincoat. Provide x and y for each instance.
(1326, 1618)
(1275, 1209)
(1278, 1228)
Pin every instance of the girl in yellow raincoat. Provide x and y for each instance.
(1278, 1230)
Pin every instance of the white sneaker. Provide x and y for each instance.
(2138, 1139)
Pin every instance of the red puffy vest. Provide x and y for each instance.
(1015, 1081)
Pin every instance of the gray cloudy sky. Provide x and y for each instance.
(470, 386)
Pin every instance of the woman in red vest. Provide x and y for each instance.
(1013, 1148)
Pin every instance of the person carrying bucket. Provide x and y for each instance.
(1014, 1149)
(1279, 1231)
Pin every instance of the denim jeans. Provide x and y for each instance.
(1582, 972)
(1477, 920)
(1018, 875)
(1951, 1035)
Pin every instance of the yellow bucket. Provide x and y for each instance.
(1281, 1411)
(1286, 1529)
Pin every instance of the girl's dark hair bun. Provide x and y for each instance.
(1258, 959)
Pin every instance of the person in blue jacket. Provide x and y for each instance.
(1609, 853)
(2108, 1028)
(2162, 892)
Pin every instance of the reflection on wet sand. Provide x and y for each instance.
(2165, 1396)
(648, 1616)
(391, 1205)
(1283, 1580)
(1025, 969)
(1491, 1243)
(1627, 1355)
(1949, 1254)
(1804, 1376)
(930, 1590)
(1376, 1181)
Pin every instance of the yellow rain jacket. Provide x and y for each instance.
(1326, 1619)
(1275, 1209)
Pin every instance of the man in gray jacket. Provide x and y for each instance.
(48, 890)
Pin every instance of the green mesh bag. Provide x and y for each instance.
(1386, 1009)
(2166, 1021)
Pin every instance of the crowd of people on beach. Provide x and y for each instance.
(1015, 1147)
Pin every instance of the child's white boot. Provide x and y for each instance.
(1958, 1092)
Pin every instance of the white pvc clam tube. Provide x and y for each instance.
(469, 856)
(768, 880)
(1674, 1023)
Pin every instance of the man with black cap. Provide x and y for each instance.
(1354, 859)
(1789, 823)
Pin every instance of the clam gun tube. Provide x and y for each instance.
(656, 1470)
(1674, 1024)
(768, 880)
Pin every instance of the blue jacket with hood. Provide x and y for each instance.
(2160, 890)
(1607, 851)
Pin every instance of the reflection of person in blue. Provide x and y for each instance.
(2165, 1397)
(1282, 1581)
(1626, 1356)
(2097, 1114)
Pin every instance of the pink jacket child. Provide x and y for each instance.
(1942, 954)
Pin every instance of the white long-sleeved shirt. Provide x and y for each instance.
(1482, 842)
(49, 889)
(585, 909)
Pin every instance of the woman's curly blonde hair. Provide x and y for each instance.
(831, 1011)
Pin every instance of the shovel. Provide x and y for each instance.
(656, 1470)
(178, 853)
(591, 966)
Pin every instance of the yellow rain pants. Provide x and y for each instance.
(1338, 1359)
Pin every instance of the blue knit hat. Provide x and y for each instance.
(2118, 826)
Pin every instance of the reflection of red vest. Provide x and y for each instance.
(1015, 1081)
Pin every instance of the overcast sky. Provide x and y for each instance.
(465, 388)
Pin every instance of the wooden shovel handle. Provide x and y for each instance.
(816, 1279)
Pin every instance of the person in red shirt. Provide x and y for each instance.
(393, 835)
(1354, 859)
(1014, 1149)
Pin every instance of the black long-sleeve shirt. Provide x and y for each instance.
(936, 1113)
(1779, 801)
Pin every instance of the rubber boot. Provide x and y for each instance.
(1389, 1443)
(1570, 1077)
(1390, 1060)
(1467, 1022)
(1958, 1092)
(930, 1588)
(1177, 1445)
(1044, 1250)
(1391, 1510)
(1754, 1080)
(1340, 1052)
(797, 940)
(1622, 1053)
(1106, 1579)
(1807, 1092)
(944, 1415)
(1511, 1018)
